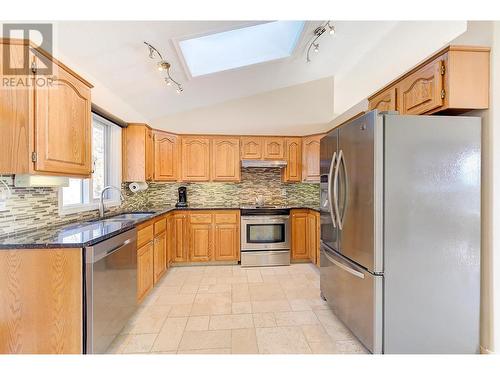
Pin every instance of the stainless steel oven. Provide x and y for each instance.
(265, 237)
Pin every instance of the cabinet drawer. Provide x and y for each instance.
(144, 235)
(160, 226)
(226, 218)
(205, 218)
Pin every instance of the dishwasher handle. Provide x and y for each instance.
(111, 245)
(109, 252)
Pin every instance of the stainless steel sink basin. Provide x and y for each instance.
(131, 216)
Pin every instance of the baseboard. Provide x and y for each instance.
(483, 350)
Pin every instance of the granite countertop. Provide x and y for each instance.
(88, 233)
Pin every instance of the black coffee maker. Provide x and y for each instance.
(182, 202)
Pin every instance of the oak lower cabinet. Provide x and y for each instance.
(195, 158)
(293, 170)
(160, 249)
(200, 239)
(137, 153)
(227, 236)
(166, 156)
(177, 223)
(305, 235)
(225, 159)
(41, 301)
(46, 127)
(310, 158)
(145, 276)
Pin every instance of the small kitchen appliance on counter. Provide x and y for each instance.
(182, 202)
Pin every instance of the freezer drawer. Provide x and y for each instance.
(355, 296)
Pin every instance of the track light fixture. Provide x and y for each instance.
(320, 30)
(163, 66)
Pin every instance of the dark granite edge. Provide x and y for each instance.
(157, 211)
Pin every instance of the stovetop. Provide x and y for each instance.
(264, 210)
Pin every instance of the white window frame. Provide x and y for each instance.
(113, 168)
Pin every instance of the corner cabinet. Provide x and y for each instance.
(166, 156)
(195, 158)
(46, 127)
(452, 81)
(226, 159)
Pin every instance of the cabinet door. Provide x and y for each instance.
(149, 157)
(144, 270)
(62, 125)
(310, 158)
(313, 236)
(160, 252)
(299, 235)
(251, 148)
(227, 242)
(195, 159)
(226, 159)
(165, 157)
(421, 91)
(274, 148)
(200, 242)
(385, 101)
(293, 170)
(179, 238)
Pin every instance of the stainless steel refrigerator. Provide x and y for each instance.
(400, 231)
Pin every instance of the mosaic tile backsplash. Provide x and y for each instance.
(32, 208)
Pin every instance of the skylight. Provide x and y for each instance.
(241, 47)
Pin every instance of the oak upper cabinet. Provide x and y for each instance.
(310, 158)
(137, 153)
(46, 127)
(225, 159)
(251, 148)
(293, 170)
(227, 235)
(273, 148)
(200, 237)
(423, 90)
(195, 158)
(454, 80)
(385, 101)
(179, 237)
(299, 246)
(166, 156)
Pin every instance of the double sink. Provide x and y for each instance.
(130, 216)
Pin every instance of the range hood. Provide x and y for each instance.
(263, 163)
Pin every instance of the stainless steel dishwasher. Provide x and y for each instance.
(110, 289)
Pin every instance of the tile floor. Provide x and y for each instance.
(229, 309)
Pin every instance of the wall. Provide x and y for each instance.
(32, 208)
(296, 110)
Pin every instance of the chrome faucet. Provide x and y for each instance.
(101, 204)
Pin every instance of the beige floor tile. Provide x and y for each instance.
(176, 299)
(214, 288)
(208, 280)
(118, 344)
(266, 292)
(350, 347)
(205, 340)
(206, 351)
(270, 306)
(315, 333)
(180, 310)
(241, 307)
(218, 322)
(244, 341)
(198, 323)
(296, 318)
(149, 320)
(210, 308)
(302, 293)
(254, 276)
(324, 347)
(239, 272)
(240, 293)
(261, 320)
(232, 280)
(189, 289)
(300, 304)
(282, 340)
(167, 290)
(170, 335)
(141, 343)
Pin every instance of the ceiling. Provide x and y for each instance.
(111, 54)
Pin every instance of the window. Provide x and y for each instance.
(241, 47)
(84, 194)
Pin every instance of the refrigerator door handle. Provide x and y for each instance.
(346, 197)
(344, 267)
(335, 190)
(329, 200)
